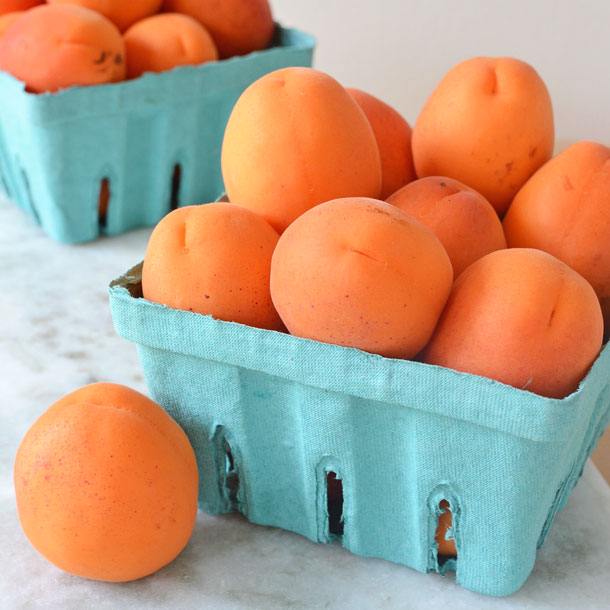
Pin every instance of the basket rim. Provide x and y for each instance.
(405, 383)
(92, 100)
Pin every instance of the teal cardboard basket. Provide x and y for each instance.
(155, 139)
(271, 416)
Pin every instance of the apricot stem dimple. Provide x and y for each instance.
(365, 255)
(184, 246)
(562, 281)
(494, 82)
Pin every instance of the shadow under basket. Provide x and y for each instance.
(105, 159)
(337, 444)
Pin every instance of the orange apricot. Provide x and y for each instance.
(522, 317)
(461, 218)
(393, 136)
(213, 259)
(121, 12)
(295, 139)
(238, 27)
(55, 47)
(165, 41)
(10, 6)
(360, 273)
(7, 20)
(489, 124)
(106, 484)
(564, 209)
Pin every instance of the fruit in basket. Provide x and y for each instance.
(522, 317)
(461, 218)
(489, 124)
(106, 484)
(393, 136)
(295, 139)
(56, 47)
(122, 13)
(213, 259)
(165, 41)
(360, 273)
(564, 209)
(237, 26)
(7, 20)
(10, 6)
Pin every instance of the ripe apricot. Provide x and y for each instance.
(10, 6)
(360, 273)
(237, 26)
(296, 138)
(121, 12)
(522, 317)
(489, 124)
(564, 209)
(393, 136)
(164, 41)
(55, 47)
(7, 20)
(461, 218)
(106, 484)
(213, 259)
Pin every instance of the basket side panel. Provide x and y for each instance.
(390, 461)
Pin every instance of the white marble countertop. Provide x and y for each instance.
(56, 335)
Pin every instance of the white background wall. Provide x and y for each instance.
(399, 49)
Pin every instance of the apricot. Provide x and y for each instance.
(445, 521)
(489, 124)
(213, 259)
(55, 47)
(106, 484)
(7, 20)
(393, 136)
(360, 273)
(564, 209)
(522, 317)
(464, 221)
(165, 41)
(121, 12)
(10, 6)
(238, 27)
(295, 139)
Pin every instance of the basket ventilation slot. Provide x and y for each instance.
(231, 475)
(174, 198)
(334, 498)
(103, 203)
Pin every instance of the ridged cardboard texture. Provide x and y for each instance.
(270, 415)
(55, 149)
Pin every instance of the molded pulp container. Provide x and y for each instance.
(55, 149)
(270, 415)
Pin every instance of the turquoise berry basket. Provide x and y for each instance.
(271, 416)
(56, 149)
